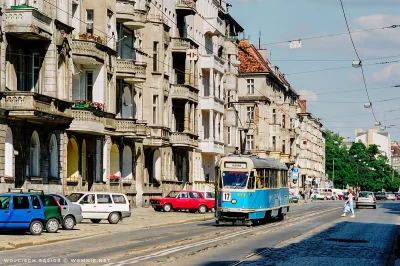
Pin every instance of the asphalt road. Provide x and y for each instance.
(203, 243)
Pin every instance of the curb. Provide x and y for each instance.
(13, 246)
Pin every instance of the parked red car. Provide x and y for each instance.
(183, 200)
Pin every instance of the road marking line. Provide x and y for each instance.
(204, 242)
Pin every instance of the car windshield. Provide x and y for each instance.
(74, 197)
(210, 195)
(172, 194)
(234, 179)
(365, 195)
(390, 193)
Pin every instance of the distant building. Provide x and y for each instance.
(395, 151)
(373, 136)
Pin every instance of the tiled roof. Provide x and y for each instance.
(395, 150)
(251, 61)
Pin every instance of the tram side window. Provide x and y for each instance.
(272, 178)
(266, 178)
(285, 179)
(251, 181)
(260, 178)
(279, 179)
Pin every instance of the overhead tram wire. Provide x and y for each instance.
(331, 35)
(358, 56)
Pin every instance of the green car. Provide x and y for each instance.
(52, 210)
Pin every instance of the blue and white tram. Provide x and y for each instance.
(251, 190)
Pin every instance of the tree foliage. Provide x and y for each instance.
(358, 165)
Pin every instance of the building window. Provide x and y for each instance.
(283, 121)
(32, 81)
(229, 135)
(155, 105)
(250, 114)
(250, 86)
(89, 20)
(283, 146)
(89, 86)
(155, 56)
(273, 116)
(274, 143)
(249, 142)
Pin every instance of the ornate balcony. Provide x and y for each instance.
(129, 128)
(28, 24)
(181, 139)
(186, 7)
(131, 71)
(157, 136)
(125, 11)
(92, 121)
(180, 91)
(37, 107)
(214, 26)
(211, 61)
(88, 52)
(212, 146)
(180, 45)
(140, 13)
(212, 103)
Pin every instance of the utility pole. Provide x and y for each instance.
(333, 174)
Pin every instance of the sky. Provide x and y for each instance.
(336, 96)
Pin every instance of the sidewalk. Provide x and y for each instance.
(141, 218)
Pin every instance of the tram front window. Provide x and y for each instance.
(234, 179)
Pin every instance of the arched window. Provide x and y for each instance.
(35, 155)
(53, 149)
(9, 154)
(157, 166)
(127, 164)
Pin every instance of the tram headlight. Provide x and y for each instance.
(233, 201)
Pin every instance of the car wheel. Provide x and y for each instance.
(95, 221)
(52, 225)
(357, 206)
(167, 207)
(202, 209)
(69, 223)
(114, 218)
(36, 228)
(374, 207)
(325, 198)
(213, 209)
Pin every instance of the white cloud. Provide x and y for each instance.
(388, 73)
(310, 96)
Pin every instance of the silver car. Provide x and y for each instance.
(71, 212)
(366, 198)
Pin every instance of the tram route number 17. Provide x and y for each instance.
(226, 196)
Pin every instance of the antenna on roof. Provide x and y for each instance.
(259, 40)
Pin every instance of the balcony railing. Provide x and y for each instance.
(186, 6)
(214, 26)
(34, 106)
(131, 71)
(183, 139)
(28, 23)
(125, 10)
(88, 52)
(182, 44)
(181, 91)
(212, 61)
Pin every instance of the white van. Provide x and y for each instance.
(98, 206)
(322, 193)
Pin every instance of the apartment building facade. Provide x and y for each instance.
(113, 95)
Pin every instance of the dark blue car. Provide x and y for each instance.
(22, 211)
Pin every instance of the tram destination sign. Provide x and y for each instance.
(236, 165)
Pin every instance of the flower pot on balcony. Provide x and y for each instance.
(114, 183)
(78, 106)
(86, 106)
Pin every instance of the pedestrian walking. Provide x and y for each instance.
(305, 195)
(349, 204)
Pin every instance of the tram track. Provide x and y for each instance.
(162, 256)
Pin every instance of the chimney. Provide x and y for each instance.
(263, 53)
(357, 131)
(303, 106)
